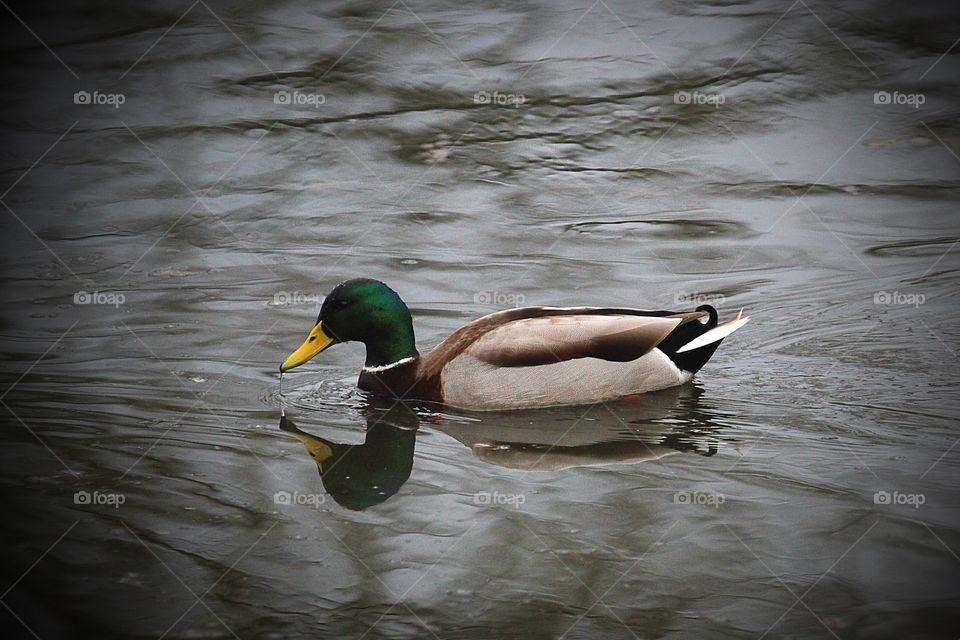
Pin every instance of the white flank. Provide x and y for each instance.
(682, 376)
(384, 367)
(717, 333)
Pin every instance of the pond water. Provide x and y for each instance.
(183, 183)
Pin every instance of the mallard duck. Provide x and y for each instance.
(526, 357)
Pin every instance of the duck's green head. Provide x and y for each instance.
(361, 310)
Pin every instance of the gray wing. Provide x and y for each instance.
(552, 339)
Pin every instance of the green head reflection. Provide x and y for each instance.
(358, 476)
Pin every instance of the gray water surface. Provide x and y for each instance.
(163, 255)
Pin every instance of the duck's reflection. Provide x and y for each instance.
(646, 428)
(358, 476)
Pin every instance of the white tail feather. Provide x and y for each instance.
(719, 332)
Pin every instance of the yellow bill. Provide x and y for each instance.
(316, 342)
(318, 449)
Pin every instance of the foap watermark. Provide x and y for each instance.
(499, 99)
(697, 298)
(499, 298)
(486, 499)
(96, 98)
(899, 298)
(97, 498)
(297, 98)
(285, 498)
(290, 298)
(896, 498)
(699, 98)
(699, 498)
(899, 98)
(114, 298)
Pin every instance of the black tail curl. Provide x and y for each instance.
(714, 318)
(693, 360)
